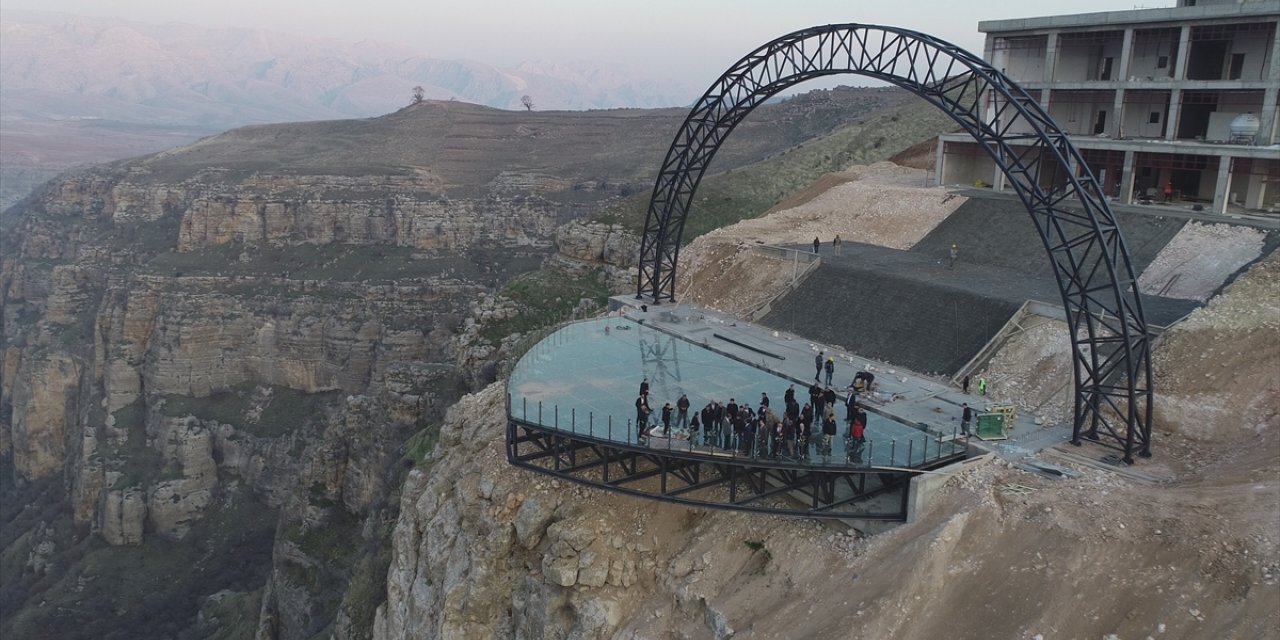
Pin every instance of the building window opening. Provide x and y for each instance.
(1229, 51)
(1088, 56)
(1154, 118)
(1237, 66)
(1207, 115)
(1153, 53)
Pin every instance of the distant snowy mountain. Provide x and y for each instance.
(68, 67)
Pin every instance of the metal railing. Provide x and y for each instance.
(805, 449)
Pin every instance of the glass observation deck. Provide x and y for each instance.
(585, 377)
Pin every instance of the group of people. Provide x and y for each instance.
(863, 381)
(836, 244)
(761, 431)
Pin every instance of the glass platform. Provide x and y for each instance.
(585, 377)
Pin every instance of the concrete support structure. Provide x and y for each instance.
(1126, 178)
(1116, 128)
(1175, 112)
(1267, 132)
(1161, 87)
(1221, 190)
(1050, 57)
(1184, 51)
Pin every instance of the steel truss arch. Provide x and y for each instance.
(1113, 397)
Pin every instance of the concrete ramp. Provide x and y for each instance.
(912, 310)
(891, 316)
(995, 230)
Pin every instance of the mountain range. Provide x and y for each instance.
(79, 90)
(61, 66)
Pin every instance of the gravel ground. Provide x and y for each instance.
(1200, 258)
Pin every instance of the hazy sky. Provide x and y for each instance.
(690, 41)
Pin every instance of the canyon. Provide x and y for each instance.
(222, 361)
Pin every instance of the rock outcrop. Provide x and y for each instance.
(584, 245)
(485, 550)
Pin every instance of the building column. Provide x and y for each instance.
(1171, 117)
(1184, 48)
(1126, 177)
(1267, 130)
(1220, 191)
(938, 160)
(1116, 129)
(1267, 119)
(1126, 52)
(1050, 56)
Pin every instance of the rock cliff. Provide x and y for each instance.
(178, 340)
(218, 360)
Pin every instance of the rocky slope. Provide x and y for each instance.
(484, 550)
(217, 360)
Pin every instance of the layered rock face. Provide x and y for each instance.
(170, 347)
(585, 245)
(235, 347)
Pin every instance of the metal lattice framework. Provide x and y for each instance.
(714, 482)
(1113, 394)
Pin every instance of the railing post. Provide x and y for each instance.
(910, 446)
(611, 427)
(557, 415)
(893, 452)
(870, 450)
(628, 430)
(540, 414)
(524, 404)
(573, 419)
(591, 423)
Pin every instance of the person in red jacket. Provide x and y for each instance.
(857, 435)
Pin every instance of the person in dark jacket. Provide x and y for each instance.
(718, 417)
(666, 419)
(817, 366)
(965, 418)
(642, 416)
(789, 396)
(806, 427)
(829, 398)
(682, 411)
(828, 432)
(706, 414)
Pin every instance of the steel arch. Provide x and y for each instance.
(1113, 394)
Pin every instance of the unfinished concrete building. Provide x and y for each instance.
(1179, 99)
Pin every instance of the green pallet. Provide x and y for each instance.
(990, 426)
